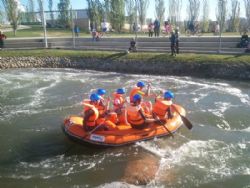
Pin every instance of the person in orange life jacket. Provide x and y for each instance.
(91, 113)
(119, 105)
(147, 105)
(103, 104)
(103, 108)
(136, 115)
(138, 90)
(119, 99)
(162, 106)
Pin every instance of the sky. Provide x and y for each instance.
(82, 4)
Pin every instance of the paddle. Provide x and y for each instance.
(163, 124)
(89, 133)
(186, 122)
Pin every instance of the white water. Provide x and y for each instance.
(35, 101)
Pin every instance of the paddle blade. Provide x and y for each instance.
(186, 122)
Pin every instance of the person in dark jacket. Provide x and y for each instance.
(172, 43)
(157, 26)
(177, 39)
(244, 41)
(132, 47)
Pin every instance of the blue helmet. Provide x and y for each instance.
(121, 91)
(140, 84)
(136, 97)
(168, 95)
(94, 97)
(101, 91)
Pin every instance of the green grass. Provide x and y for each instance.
(147, 57)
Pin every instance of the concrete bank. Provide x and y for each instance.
(229, 71)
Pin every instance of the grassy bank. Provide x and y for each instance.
(186, 58)
(37, 31)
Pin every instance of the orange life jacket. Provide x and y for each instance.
(134, 91)
(133, 115)
(120, 98)
(101, 108)
(160, 107)
(92, 119)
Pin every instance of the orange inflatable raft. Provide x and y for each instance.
(124, 135)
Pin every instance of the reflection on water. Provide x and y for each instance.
(34, 151)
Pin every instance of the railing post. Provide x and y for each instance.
(44, 26)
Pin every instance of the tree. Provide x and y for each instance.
(107, 8)
(93, 13)
(13, 13)
(1, 16)
(247, 6)
(193, 10)
(64, 16)
(221, 13)
(235, 16)
(131, 11)
(160, 9)
(40, 9)
(29, 14)
(117, 14)
(142, 6)
(50, 4)
(205, 14)
(174, 9)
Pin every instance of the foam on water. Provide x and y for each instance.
(221, 87)
(9, 112)
(246, 130)
(118, 184)
(52, 167)
(39, 93)
(213, 158)
(61, 165)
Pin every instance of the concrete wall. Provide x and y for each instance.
(162, 44)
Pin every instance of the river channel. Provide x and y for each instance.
(34, 152)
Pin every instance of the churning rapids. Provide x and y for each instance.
(36, 153)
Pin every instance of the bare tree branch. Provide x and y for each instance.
(222, 13)
(247, 6)
(142, 9)
(193, 10)
(160, 9)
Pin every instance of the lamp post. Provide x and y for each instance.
(73, 28)
(44, 26)
(221, 9)
(136, 20)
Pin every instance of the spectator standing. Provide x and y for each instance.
(216, 28)
(76, 30)
(2, 38)
(134, 27)
(157, 26)
(177, 39)
(172, 43)
(168, 27)
(104, 27)
(150, 29)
